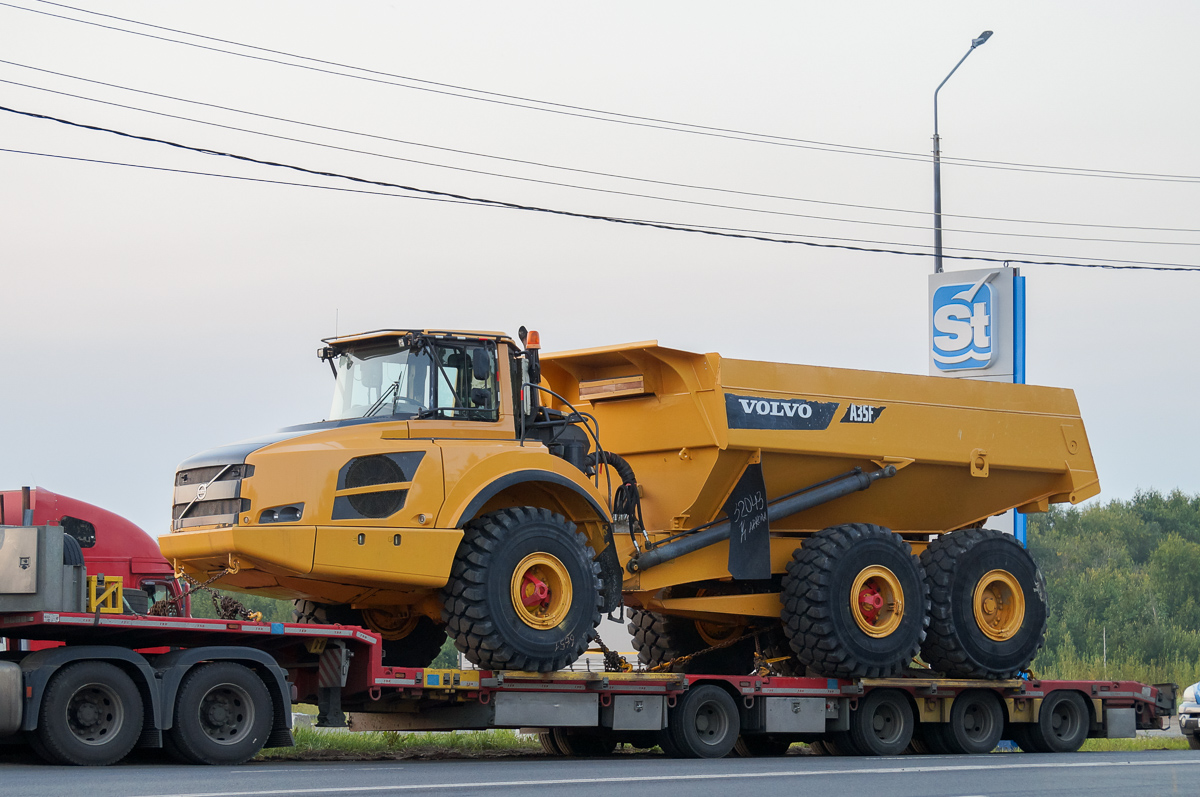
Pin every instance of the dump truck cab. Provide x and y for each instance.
(360, 516)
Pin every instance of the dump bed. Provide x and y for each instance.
(689, 423)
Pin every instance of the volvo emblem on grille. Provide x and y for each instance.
(201, 491)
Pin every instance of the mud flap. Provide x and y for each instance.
(750, 535)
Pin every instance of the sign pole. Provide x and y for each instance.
(1020, 521)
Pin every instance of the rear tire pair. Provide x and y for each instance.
(92, 714)
(858, 604)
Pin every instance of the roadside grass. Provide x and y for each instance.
(1137, 744)
(317, 743)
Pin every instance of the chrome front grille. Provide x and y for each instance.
(209, 496)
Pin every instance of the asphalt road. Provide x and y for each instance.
(1092, 774)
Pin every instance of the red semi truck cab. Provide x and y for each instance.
(111, 544)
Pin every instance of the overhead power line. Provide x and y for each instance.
(631, 194)
(419, 84)
(1100, 262)
(690, 186)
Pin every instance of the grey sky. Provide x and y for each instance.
(150, 315)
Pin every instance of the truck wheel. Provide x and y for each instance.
(412, 642)
(976, 723)
(882, 724)
(91, 715)
(223, 714)
(704, 723)
(524, 591)
(854, 603)
(1193, 741)
(762, 745)
(988, 605)
(1062, 725)
(549, 745)
(659, 638)
(584, 743)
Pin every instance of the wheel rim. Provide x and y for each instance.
(999, 604)
(716, 633)
(711, 723)
(390, 625)
(95, 714)
(226, 713)
(1065, 721)
(886, 723)
(877, 601)
(541, 591)
(978, 722)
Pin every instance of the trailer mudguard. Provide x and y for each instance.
(40, 666)
(171, 667)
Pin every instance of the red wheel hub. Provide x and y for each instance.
(534, 591)
(870, 602)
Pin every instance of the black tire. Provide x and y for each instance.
(704, 723)
(976, 723)
(666, 743)
(478, 605)
(934, 735)
(1022, 734)
(91, 715)
(1062, 725)
(955, 567)
(549, 745)
(882, 724)
(659, 638)
(418, 647)
(839, 743)
(819, 618)
(223, 714)
(762, 745)
(1193, 741)
(584, 743)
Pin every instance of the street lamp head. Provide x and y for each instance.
(987, 34)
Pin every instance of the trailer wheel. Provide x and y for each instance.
(549, 745)
(854, 603)
(91, 715)
(524, 591)
(1062, 725)
(223, 714)
(762, 745)
(976, 723)
(1193, 741)
(410, 642)
(583, 743)
(988, 605)
(704, 723)
(882, 724)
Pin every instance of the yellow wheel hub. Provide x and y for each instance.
(716, 633)
(999, 604)
(541, 591)
(389, 625)
(877, 601)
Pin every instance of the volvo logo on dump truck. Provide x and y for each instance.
(750, 412)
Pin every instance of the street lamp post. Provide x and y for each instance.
(937, 160)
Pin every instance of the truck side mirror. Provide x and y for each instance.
(481, 364)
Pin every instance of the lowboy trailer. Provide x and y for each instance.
(225, 691)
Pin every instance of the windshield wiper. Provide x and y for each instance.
(374, 408)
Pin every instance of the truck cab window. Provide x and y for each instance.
(416, 379)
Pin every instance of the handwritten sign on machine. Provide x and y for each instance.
(750, 536)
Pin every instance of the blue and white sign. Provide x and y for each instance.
(971, 324)
(962, 325)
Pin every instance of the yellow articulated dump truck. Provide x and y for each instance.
(831, 521)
